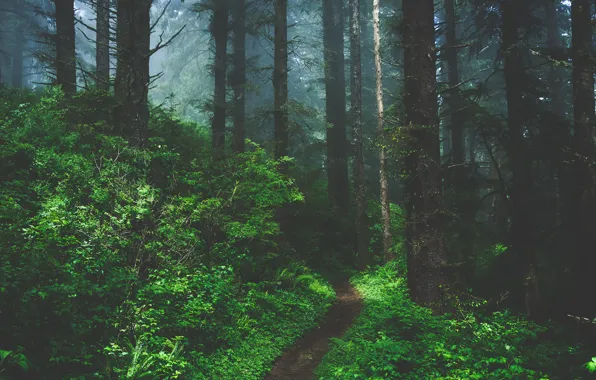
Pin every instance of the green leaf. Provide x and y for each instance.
(4, 354)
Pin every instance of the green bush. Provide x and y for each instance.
(394, 338)
(125, 263)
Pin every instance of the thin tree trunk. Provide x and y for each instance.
(239, 76)
(457, 176)
(102, 45)
(426, 256)
(280, 78)
(219, 30)
(561, 134)
(556, 74)
(66, 73)
(384, 181)
(454, 99)
(522, 223)
(131, 85)
(17, 57)
(581, 218)
(335, 101)
(280, 87)
(356, 110)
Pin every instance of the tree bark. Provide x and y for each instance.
(17, 55)
(556, 74)
(280, 79)
(581, 217)
(102, 45)
(561, 137)
(131, 85)
(335, 101)
(356, 110)
(383, 180)
(66, 71)
(453, 98)
(426, 255)
(239, 76)
(219, 31)
(522, 224)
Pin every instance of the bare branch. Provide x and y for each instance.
(160, 46)
(165, 8)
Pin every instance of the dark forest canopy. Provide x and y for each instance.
(183, 184)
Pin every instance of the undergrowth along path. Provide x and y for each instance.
(300, 361)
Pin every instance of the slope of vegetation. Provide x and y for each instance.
(396, 339)
(140, 263)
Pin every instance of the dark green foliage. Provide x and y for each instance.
(125, 263)
(396, 339)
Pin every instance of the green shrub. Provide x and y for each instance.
(125, 263)
(394, 338)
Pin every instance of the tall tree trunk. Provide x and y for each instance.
(219, 31)
(102, 45)
(131, 85)
(280, 87)
(335, 101)
(522, 223)
(17, 55)
(556, 74)
(561, 133)
(280, 79)
(239, 75)
(66, 70)
(453, 99)
(356, 110)
(384, 181)
(581, 217)
(426, 255)
(456, 178)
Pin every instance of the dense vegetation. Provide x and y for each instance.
(397, 339)
(181, 183)
(127, 261)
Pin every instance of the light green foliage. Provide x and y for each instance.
(140, 264)
(394, 338)
(591, 365)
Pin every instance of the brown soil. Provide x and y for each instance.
(301, 360)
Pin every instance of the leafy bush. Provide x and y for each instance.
(395, 338)
(125, 263)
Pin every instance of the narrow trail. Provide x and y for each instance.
(300, 361)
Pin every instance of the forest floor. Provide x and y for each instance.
(300, 361)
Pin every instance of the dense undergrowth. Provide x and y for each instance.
(152, 263)
(395, 339)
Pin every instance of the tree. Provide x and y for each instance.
(555, 44)
(102, 44)
(66, 70)
(426, 245)
(556, 80)
(384, 182)
(358, 151)
(280, 79)
(13, 24)
(335, 102)
(17, 57)
(522, 223)
(132, 80)
(239, 75)
(582, 206)
(453, 98)
(219, 32)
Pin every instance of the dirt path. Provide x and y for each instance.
(301, 360)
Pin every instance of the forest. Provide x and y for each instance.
(297, 189)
